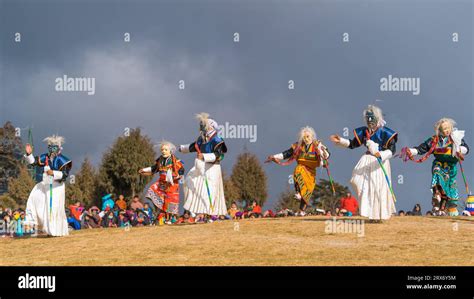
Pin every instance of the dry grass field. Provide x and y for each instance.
(255, 242)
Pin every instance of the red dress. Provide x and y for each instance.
(164, 194)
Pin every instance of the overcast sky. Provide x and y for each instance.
(241, 83)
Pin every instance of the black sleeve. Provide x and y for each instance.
(392, 146)
(463, 143)
(329, 153)
(288, 153)
(154, 168)
(424, 147)
(192, 147)
(354, 143)
(36, 162)
(220, 150)
(181, 171)
(65, 170)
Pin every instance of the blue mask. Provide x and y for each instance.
(53, 149)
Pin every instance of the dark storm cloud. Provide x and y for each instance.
(242, 83)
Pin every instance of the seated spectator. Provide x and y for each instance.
(149, 211)
(416, 210)
(107, 201)
(348, 205)
(76, 210)
(234, 212)
(256, 211)
(185, 218)
(136, 204)
(121, 203)
(92, 218)
(429, 213)
(73, 223)
(19, 219)
(141, 218)
(109, 219)
(268, 214)
(200, 218)
(8, 223)
(401, 213)
(123, 220)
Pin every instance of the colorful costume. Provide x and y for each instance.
(203, 187)
(443, 181)
(308, 158)
(368, 178)
(164, 193)
(45, 205)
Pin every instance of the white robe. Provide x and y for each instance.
(38, 207)
(368, 180)
(195, 191)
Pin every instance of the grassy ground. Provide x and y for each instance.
(283, 241)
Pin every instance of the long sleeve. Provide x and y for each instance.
(61, 175)
(30, 158)
(192, 147)
(288, 153)
(354, 143)
(181, 170)
(217, 154)
(154, 168)
(33, 160)
(392, 146)
(424, 147)
(464, 147)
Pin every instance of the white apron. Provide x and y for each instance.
(38, 208)
(368, 180)
(196, 197)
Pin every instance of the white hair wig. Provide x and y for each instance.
(438, 124)
(202, 117)
(169, 144)
(54, 140)
(211, 124)
(377, 112)
(304, 130)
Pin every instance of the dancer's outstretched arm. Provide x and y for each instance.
(343, 142)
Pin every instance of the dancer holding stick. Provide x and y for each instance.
(309, 154)
(371, 176)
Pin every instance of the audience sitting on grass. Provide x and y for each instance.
(117, 214)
